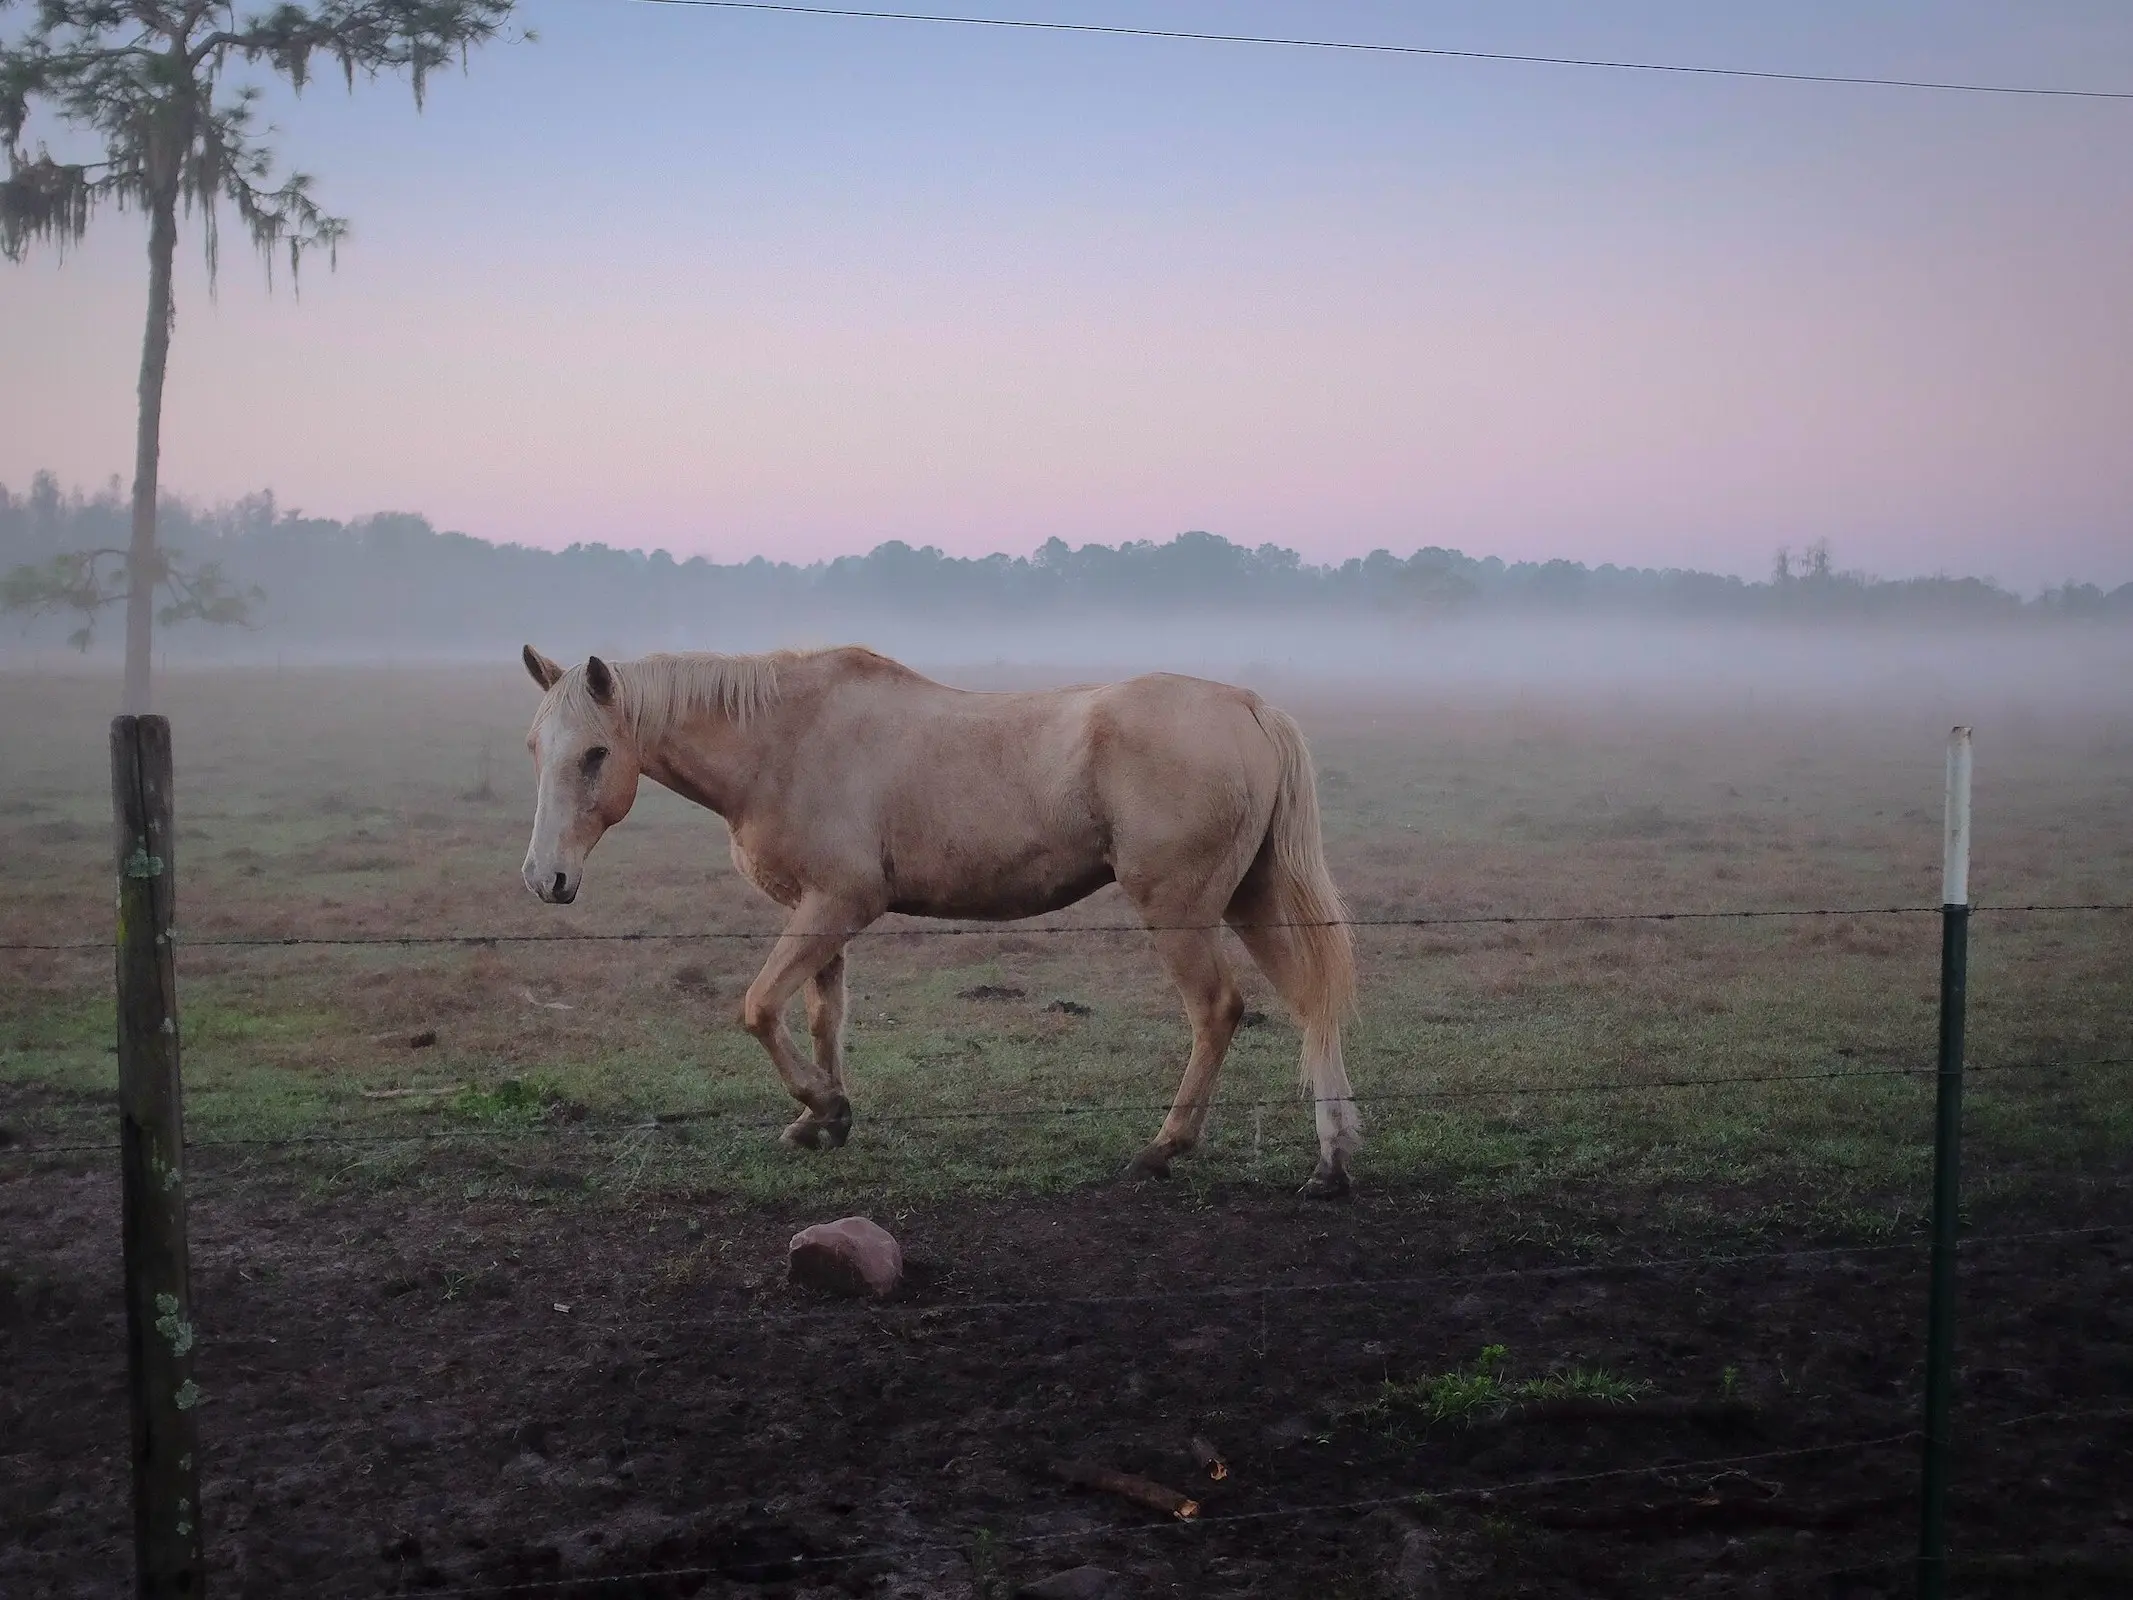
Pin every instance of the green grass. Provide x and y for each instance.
(1483, 1390)
(1495, 1107)
(1516, 1064)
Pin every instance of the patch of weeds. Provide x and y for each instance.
(1866, 1222)
(511, 1101)
(1482, 1391)
(1455, 1396)
(458, 1285)
(1584, 1383)
(1729, 1384)
(681, 1270)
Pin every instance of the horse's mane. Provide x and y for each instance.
(657, 691)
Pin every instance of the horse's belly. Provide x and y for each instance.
(999, 888)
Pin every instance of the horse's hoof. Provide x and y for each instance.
(1153, 1162)
(1327, 1183)
(814, 1131)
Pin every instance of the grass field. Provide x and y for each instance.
(394, 802)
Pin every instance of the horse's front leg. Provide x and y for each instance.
(826, 998)
(813, 939)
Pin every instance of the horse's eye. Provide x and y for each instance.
(593, 758)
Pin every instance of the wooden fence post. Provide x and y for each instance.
(168, 1557)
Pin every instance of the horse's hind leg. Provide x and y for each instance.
(813, 938)
(1213, 1005)
(1257, 916)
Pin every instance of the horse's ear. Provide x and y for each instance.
(544, 672)
(600, 681)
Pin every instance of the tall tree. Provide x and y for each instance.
(145, 79)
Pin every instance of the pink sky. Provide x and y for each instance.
(1529, 316)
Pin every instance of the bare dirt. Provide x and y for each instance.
(409, 1397)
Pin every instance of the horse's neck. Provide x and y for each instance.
(716, 756)
(707, 757)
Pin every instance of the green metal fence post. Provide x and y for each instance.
(1947, 1171)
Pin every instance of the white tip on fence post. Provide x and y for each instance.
(1955, 850)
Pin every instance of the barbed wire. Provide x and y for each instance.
(1265, 1292)
(2061, 1414)
(1861, 1566)
(659, 1121)
(800, 1563)
(1015, 929)
(216, 1343)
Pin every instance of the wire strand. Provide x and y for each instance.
(1221, 1520)
(779, 1316)
(656, 1121)
(1362, 47)
(1292, 1513)
(2061, 1414)
(1018, 929)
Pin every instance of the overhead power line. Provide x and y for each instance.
(1364, 47)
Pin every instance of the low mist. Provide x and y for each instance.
(301, 592)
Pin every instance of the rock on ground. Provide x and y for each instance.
(851, 1256)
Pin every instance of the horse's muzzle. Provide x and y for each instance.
(557, 889)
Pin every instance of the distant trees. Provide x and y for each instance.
(143, 78)
(2078, 600)
(395, 577)
(1809, 585)
(82, 576)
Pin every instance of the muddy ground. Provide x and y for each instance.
(403, 1396)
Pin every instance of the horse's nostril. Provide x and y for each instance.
(560, 882)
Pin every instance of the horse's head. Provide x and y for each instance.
(584, 769)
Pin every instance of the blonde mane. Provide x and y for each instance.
(658, 691)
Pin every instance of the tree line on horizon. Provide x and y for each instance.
(395, 577)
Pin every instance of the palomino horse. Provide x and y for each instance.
(854, 787)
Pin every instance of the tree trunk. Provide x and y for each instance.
(144, 561)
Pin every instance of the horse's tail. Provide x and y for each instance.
(1306, 921)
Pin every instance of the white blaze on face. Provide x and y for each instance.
(552, 871)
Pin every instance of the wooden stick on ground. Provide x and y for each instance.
(1209, 1459)
(1138, 1490)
